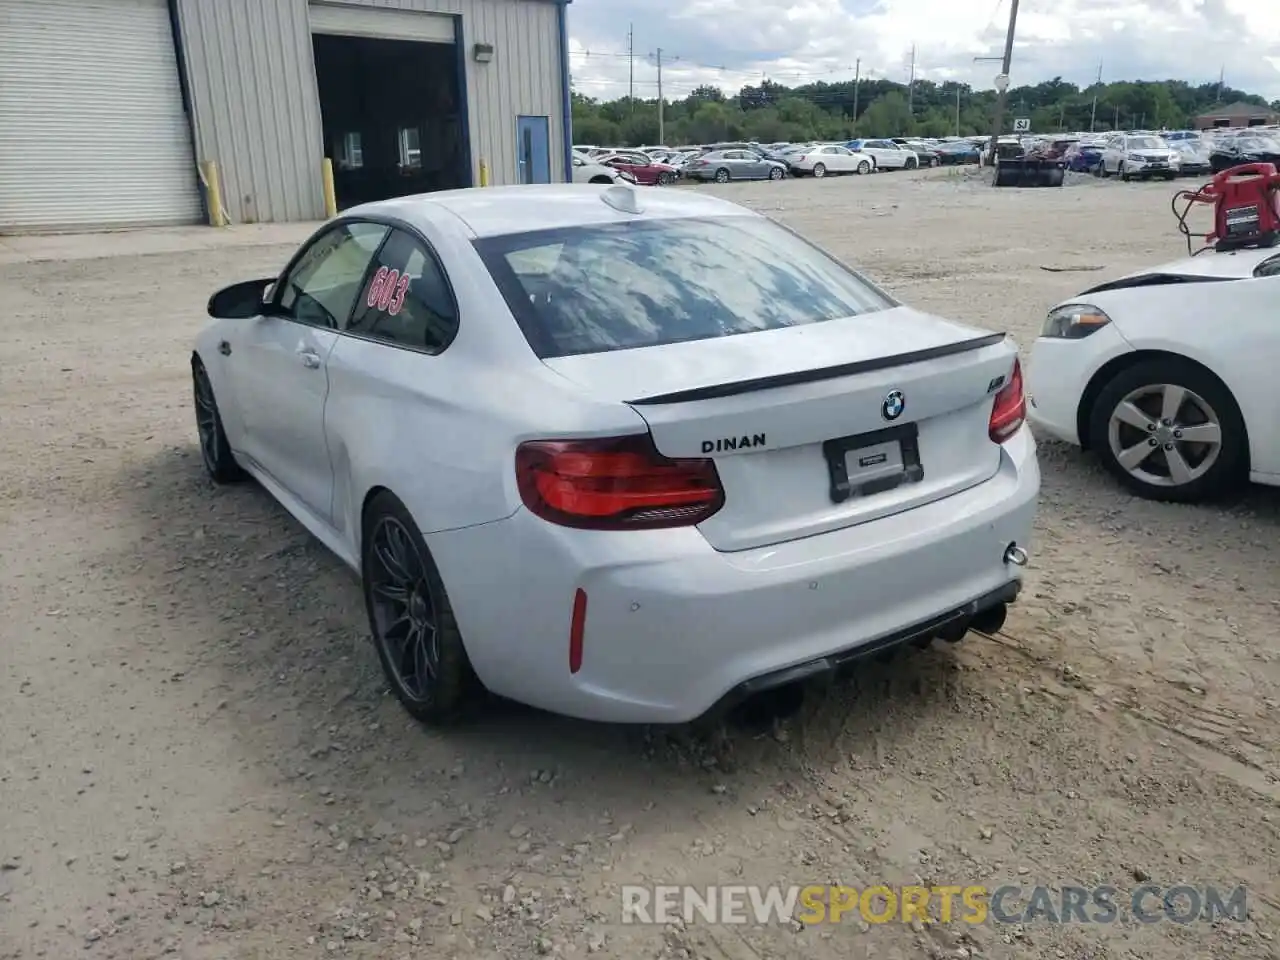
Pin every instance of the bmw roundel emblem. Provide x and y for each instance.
(893, 405)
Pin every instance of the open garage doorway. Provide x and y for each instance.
(392, 116)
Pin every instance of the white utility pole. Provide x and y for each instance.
(661, 133)
(911, 84)
(857, 77)
(1093, 112)
(1003, 92)
(631, 66)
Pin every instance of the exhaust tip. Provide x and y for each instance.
(990, 621)
(1015, 555)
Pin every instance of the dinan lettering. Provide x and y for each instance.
(743, 442)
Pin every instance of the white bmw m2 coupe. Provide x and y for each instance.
(628, 455)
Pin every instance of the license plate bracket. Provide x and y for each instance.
(881, 460)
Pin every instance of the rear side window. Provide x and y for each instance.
(406, 300)
(653, 282)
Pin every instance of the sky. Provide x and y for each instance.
(729, 43)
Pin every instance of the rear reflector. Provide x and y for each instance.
(1009, 411)
(577, 624)
(615, 483)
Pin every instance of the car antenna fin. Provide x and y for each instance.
(622, 198)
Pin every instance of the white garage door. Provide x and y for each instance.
(92, 131)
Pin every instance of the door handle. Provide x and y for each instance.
(310, 359)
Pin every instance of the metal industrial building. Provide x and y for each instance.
(110, 109)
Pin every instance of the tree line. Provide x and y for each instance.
(771, 112)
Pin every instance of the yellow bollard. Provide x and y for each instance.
(484, 174)
(330, 197)
(213, 192)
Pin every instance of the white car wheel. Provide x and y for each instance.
(819, 170)
(1169, 430)
(864, 167)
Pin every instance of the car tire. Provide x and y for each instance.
(665, 179)
(605, 181)
(864, 168)
(219, 462)
(775, 173)
(1142, 388)
(395, 563)
(819, 170)
(722, 175)
(911, 163)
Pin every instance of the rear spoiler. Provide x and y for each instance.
(738, 387)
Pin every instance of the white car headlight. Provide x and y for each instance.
(1074, 321)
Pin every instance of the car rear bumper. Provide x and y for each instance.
(674, 629)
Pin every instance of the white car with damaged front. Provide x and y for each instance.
(619, 454)
(1169, 374)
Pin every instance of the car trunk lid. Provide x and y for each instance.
(818, 427)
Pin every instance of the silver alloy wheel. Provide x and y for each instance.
(819, 170)
(864, 168)
(1165, 425)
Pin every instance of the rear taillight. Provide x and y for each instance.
(616, 483)
(1010, 408)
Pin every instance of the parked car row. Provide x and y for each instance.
(723, 162)
(1146, 154)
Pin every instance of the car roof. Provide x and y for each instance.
(494, 211)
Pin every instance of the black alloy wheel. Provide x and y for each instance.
(410, 616)
(219, 462)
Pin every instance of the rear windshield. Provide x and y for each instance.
(651, 282)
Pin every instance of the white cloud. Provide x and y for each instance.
(728, 43)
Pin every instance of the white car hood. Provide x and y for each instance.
(1153, 153)
(1236, 265)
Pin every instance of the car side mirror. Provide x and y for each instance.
(240, 301)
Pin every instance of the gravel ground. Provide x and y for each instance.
(198, 757)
